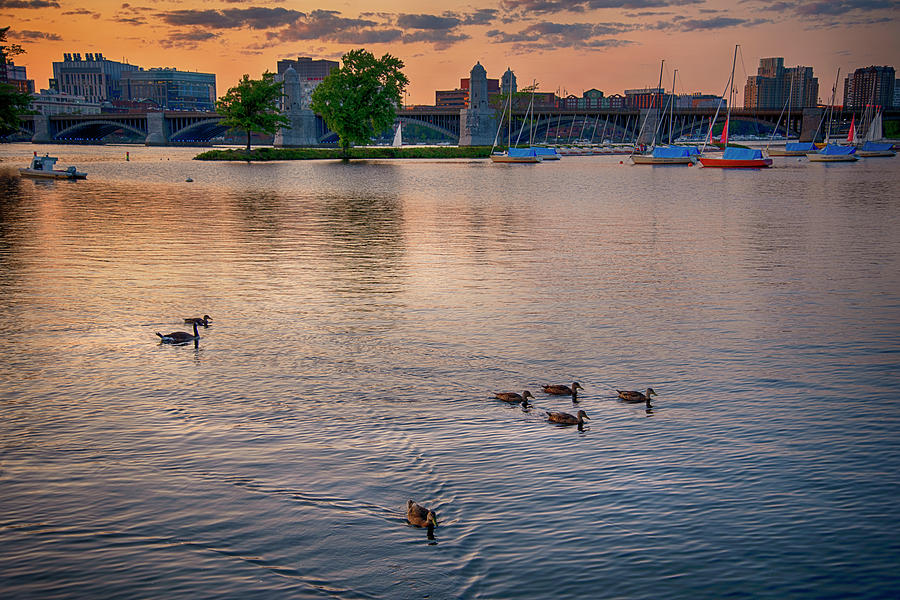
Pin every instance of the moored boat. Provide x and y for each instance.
(793, 149)
(517, 156)
(834, 153)
(546, 153)
(873, 149)
(42, 168)
(666, 155)
(738, 158)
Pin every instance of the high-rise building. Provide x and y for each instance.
(774, 82)
(308, 68)
(17, 77)
(94, 77)
(171, 89)
(870, 85)
(897, 93)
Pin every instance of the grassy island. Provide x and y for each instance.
(266, 154)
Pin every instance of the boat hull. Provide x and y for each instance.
(515, 159)
(36, 174)
(875, 153)
(813, 157)
(727, 163)
(777, 152)
(657, 160)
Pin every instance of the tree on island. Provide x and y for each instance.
(13, 103)
(359, 100)
(252, 105)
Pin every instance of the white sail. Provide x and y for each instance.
(874, 132)
(398, 136)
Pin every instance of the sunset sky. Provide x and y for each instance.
(567, 45)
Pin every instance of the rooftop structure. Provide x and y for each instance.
(308, 68)
(171, 89)
(94, 77)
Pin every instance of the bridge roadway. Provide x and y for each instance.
(552, 125)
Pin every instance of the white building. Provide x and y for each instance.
(50, 102)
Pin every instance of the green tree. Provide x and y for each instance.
(13, 103)
(252, 105)
(360, 100)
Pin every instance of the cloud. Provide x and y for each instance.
(711, 23)
(427, 22)
(328, 25)
(822, 10)
(82, 11)
(549, 36)
(256, 17)
(29, 4)
(34, 35)
(188, 39)
(442, 39)
(482, 16)
(526, 7)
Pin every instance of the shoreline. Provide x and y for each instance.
(356, 153)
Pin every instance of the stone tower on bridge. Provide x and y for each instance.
(295, 106)
(478, 122)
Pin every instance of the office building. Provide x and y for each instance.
(870, 85)
(94, 77)
(773, 83)
(171, 89)
(459, 98)
(646, 98)
(52, 102)
(308, 68)
(16, 77)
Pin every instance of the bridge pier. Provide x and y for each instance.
(156, 130)
(810, 124)
(41, 130)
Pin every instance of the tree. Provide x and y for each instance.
(360, 99)
(13, 103)
(252, 105)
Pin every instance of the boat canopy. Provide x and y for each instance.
(800, 147)
(673, 151)
(522, 152)
(876, 147)
(540, 151)
(835, 150)
(732, 153)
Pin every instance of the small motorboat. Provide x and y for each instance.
(42, 167)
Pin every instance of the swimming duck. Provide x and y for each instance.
(513, 397)
(420, 516)
(562, 390)
(567, 419)
(635, 397)
(179, 337)
(204, 321)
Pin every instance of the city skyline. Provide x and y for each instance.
(570, 46)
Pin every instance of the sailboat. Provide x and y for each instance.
(790, 148)
(872, 145)
(833, 152)
(398, 136)
(512, 155)
(666, 155)
(735, 158)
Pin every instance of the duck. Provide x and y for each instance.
(567, 419)
(204, 321)
(179, 337)
(635, 397)
(419, 516)
(513, 397)
(562, 390)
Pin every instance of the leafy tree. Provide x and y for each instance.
(252, 105)
(360, 99)
(13, 103)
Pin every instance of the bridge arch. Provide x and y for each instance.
(200, 131)
(97, 130)
(442, 130)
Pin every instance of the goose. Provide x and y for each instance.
(179, 337)
(204, 321)
(567, 419)
(420, 516)
(513, 397)
(635, 397)
(562, 390)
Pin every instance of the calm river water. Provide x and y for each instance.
(363, 317)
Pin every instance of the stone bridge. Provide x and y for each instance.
(548, 125)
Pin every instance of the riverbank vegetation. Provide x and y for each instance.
(356, 152)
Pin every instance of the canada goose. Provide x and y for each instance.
(635, 397)
(420, 516)
(204, 321)
(513, 397)
(562, 390)
(179, 337)
(567, 419)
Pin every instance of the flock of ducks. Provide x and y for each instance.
(416, 514)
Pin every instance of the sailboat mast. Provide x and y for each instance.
(831, 117)
(730, 91)
(658, 100)
(672, 107)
